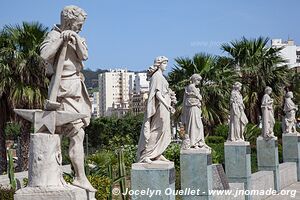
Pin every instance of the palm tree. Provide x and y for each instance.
(22, 79)
(260, 66)
(217, 79)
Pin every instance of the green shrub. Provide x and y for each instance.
(221, 130)
(280, 153)
(129, 155)
(102, 185)
(217, 152)
(173, 154)
(101, 159)
(278, 129)
(6, 193)
(12, 130)
(252, 131)
(214, 140)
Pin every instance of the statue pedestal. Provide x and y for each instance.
(196, 173)
(45, 180)
(44, 160)
(267, 158)
(238, 163)
(67, 192)
(291, 150)
(157, 177)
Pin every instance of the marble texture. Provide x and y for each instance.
(290, 109)
(54, 193)
(287, 173)
(238, 119)
(220, 180)
(155, 135)
(267, 158)
(67, 111)
(268, 120)
(191, 113)
(158, 175)
(238, 163)
(196, 172)
(291, 150)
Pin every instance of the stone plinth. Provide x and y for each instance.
(44, 160)
(238, 163)
(196, 173)
(67, 192)
(157, 176)
(267, 158)
(291, 150)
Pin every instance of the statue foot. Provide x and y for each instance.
(147, 160)
(84, 184)
(162, 158)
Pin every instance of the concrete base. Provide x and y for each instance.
(291, 150)
(238, 163)
(68, 192)
(157, 176)
(288, 174)
(196, 172)
(267, 158)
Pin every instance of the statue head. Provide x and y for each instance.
(72, 18)
(160, 62)
(195, 78)
(237, 86)
(289, 95)
(268, 90)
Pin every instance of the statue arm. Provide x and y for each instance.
(81, 48)
(50, 47)
(160, 97)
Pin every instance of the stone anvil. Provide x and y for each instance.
(45, 180)
(47, 121)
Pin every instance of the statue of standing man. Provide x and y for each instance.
(64, 51)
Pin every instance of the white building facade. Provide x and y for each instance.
(290, 51)
(114, 93)
(117, 89)
(95, 100)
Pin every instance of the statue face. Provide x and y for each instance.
(164, 65)
(269, 91)
(197, 81)
(76, 26)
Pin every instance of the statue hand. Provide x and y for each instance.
(69, 35)
(171, 109)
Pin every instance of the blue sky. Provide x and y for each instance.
(131, 33)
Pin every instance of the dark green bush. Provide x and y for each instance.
(6, 193)
(217, 152)
(214, 139)
(222, 131)
(173, 154)
(102, 184)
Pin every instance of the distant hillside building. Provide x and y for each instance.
(114, 89)
(290, 52)
(117, 89)
(95, 100)
(139, 102)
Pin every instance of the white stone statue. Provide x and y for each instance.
(238, 119)
(155, 135)
(191, 113)
(65, 51)
(290, 109)
(268, 120)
